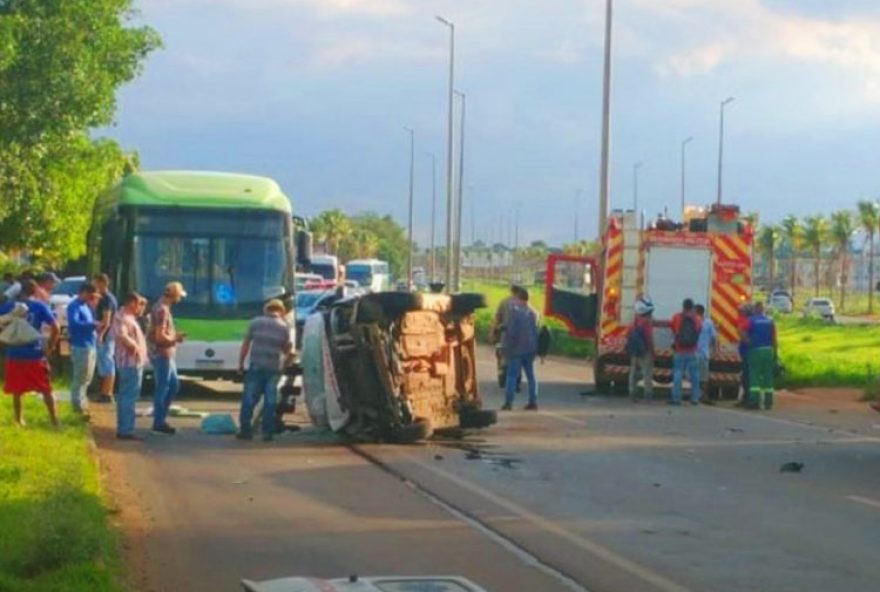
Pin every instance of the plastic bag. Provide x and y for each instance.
(16, 329)
(219, 424)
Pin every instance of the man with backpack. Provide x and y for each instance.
(686, 328)
(520, 346)
(640, 348)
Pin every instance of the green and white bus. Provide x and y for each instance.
(228, 238)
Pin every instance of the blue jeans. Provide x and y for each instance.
(106, 361)
(515, 365)
(685, 364)
(130, 381)
(83, 361)
(259, 383)
(167, 385)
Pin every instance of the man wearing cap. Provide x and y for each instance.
(163, 339)
(105, 312)
(268, 343)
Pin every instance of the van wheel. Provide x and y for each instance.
(420, 429)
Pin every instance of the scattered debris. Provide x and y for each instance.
(833, 411)
(241, 481)
(735, 431)
(438, 457)
(219, 424)
(792, 467)
(656, 485)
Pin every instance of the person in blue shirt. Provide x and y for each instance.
(27, 366)
(760, 334)
(706, 344)
(83, 330)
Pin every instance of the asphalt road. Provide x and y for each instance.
(587, 494)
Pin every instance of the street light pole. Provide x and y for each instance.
(433, 217)
(449, 155)
(724, 103)
(684, 144)
(412, 176)
(458, 210)
(604, 178)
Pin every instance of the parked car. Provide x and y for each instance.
(781, 303)
(306, 281)
(820, 306)
(308, 302)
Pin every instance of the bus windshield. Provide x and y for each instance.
(325, 270)
(362, 274)
(230, 262)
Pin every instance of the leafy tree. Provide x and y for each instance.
(61, 63)
(842, 229)
(768, 240)
(332, 227)
(869, 217)
(793, 232)
(815, 236)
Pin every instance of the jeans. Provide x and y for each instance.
(516, 365)
(259, 383)
(83, 361)
(130, 381)
(106, 361)
(167, 385)
(685, 363)
(643, 366)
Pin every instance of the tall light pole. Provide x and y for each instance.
(433, 217)
(604, 178)
(636, 168)
(684, 144)
(412, 176)
(724, 103)
(577, 211)
(458, 209)
(449, 155)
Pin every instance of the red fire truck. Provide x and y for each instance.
(708, 258)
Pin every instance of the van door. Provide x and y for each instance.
(572, 293)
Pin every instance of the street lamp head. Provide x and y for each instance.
(444, 21)
(458, 93)
(638, 165)
(727, 101)
(688, 140)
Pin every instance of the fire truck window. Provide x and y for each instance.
(573, 297)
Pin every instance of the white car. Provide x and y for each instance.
(356, 584)
(820, 306)
(780, 303)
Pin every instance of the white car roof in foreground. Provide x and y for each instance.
(376, 584)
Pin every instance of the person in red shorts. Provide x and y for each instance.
(27, 367)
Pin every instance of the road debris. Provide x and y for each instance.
(792, 467)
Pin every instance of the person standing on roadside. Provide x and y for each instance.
(499, 325)
(46, 282)
(105, 312)
(83, 330)
(745, 312)
(268, 344)
(130, 356)
(686, 327)
(27, 366)
(706, 344)
(760, 334)
(163, 340)
(640, 348)
(520, 346)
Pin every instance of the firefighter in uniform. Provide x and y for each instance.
(760, 334)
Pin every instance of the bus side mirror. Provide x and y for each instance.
(303, 248)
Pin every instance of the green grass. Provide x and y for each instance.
(563, 344)
(55, 535)
(818, 354)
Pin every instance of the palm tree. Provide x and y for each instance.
(842, 229)
(815, 233)
(768, 241)
(791, 229)
(331, 228)
(869, 217)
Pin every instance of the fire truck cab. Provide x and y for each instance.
(707, 257)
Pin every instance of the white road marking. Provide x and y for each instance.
(564, 419)
(598, 550)
(864, 500)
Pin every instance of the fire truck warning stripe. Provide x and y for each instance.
(738, 244)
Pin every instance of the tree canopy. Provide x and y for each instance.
(362, 236)
(61, 64)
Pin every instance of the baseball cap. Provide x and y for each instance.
(175, 289)
(48, 276)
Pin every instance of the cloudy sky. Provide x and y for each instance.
(315, 93)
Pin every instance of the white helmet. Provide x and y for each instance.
(644, 306)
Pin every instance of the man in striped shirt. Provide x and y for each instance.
(268, 344)
(131, 357)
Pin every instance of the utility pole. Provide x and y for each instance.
(450, 190)
(724, 103)
(459, 212)
(412, 176)
(604, 178)
(636, 168)
(433, 217)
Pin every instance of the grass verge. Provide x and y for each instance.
(819, 354)
(55, 534)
